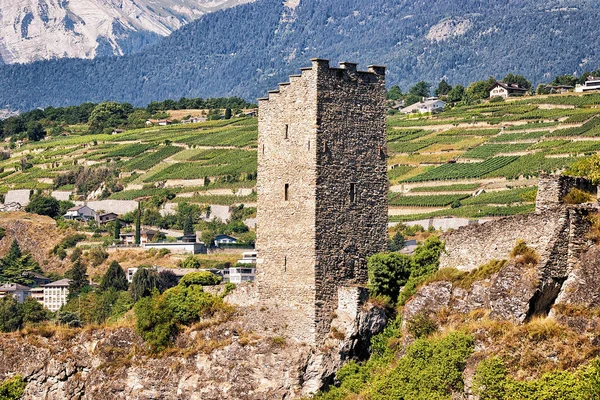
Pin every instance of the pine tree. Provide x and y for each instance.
(114, 278)
(228, 113)
(14, 253)
(15, 266)
(79, 278)
(188, 225)
(117, 232)
(137, 225)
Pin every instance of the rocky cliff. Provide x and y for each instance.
(246, 357)
(33, 30)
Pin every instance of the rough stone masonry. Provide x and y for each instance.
(322, 190)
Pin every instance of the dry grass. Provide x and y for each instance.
(524, 255)
(577, 196)
(594, 232)
(465, 279)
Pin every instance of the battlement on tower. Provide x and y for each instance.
(345, 71)
(322, 190)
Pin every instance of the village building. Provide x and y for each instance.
(80, 213)
(591, 83)
(146, 236)
(559, 88)
(37, 293)
(430, 105)
(56, 294)
(222, 239)
(19, 292)
(504, 90)
(105, 218)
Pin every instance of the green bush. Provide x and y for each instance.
(489, 382)
(387, 273)
(421, 325)
(430, 369)
(12, 388)
(190, 262)
(577, 196)
(160, 316)
(202, 278)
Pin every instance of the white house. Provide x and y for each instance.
(55, 294)
(241, 274)
(178, 247)
(504, 90)
(83, 213)
(19, 292)
(248, 257)
(224, 239)
(430, 105)
(592, 83)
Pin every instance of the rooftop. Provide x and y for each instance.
(61, 283)
(13, 287)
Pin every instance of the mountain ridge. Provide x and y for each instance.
(417, 41)
(33, 30)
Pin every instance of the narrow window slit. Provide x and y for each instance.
(287, 130)
(352, 192)
(286, 192)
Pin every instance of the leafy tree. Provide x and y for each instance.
(394, 93)
(79, 278)
(387, 273)
(76, 254)
(396, 242)
(517, 79)
(109, 115)
(588, 168)
(420, 89)
(15, 265)
(11, 314)
(569, 80)
(190, 262)
(166, 280)
(143, 282)
(35, 131)
(114, 278)
(480, 89)
(44, 205)
(456, 94)
(443, 88)
(64, 205)
(34, 312)
(202, 278)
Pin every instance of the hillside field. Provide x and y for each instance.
(436, 163)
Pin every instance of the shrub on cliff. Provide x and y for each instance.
(492, 382)
(390, 271)
(12, 388)
(43, 205)
(577, 196)
(202, 278)
(160, 316)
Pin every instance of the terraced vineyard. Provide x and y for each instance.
(513, 142)
(472, 161)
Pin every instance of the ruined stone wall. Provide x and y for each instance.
(285, 237)
(553, 188)
(471, 246)
(320, 135)
(351, 148)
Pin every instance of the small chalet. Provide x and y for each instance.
(164, 122)
(19, 292)
(105, 218)
(117, 131)
(559, 88)
(429, 105)
(38, 279)
(504, 90)
(82, 213)
(224, 239)
(146, 236)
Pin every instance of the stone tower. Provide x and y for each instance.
(322, 190)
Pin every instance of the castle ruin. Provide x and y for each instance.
(322, 190)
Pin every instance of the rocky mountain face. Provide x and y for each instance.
(32, 30)
(246, 357)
